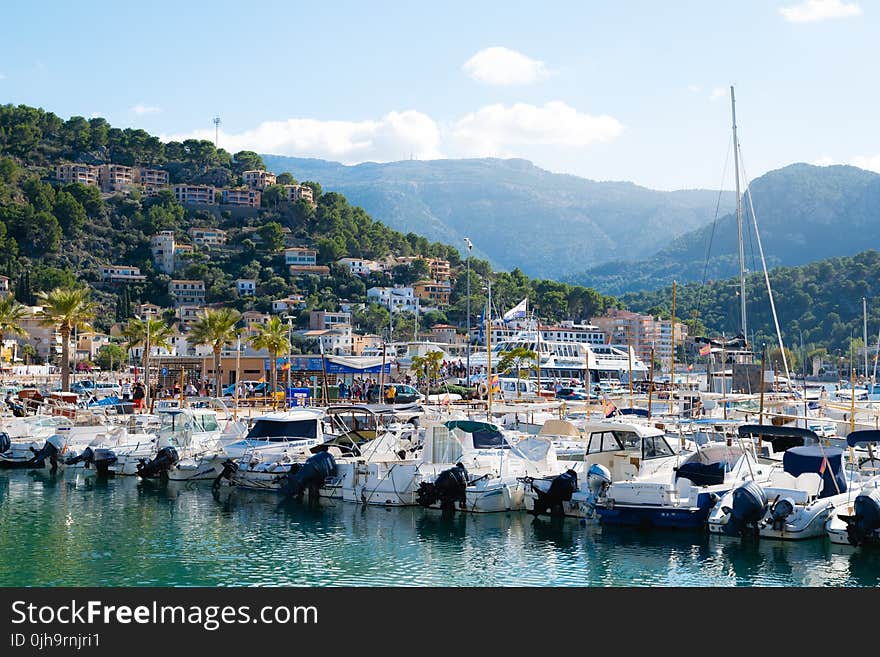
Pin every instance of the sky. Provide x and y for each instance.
(634, 90)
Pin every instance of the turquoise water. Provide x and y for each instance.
(72, 531)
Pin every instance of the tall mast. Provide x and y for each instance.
(739, 220)
(865, 335)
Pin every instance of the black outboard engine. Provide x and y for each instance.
(862, 527)
(560, 490)
(165, 459)
(310, 476)
(86, 456)
(749, 508)
(779, 511)
(5, 442)
(449, 487)
(230, 467)
(50, 451)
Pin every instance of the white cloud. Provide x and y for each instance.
(141, 109)
(395, 136)
(812, 11)
(504, 67)
(517, 130)
(500, 130)
(869, 162)
(717, 92)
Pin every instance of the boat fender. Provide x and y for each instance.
(749, 508)
(165, 459)
(449, 487)
(862, 526)
(482, 390)
(5, 442)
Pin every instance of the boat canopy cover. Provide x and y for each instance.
(471, 426)
(863, 437)
(533, 448)
(769, 431)
(810, 458)
(640, 412)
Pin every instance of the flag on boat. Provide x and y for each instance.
(824, 465)
(518, 311)
(285, 366)
(705, 350)
(690, 367)
(608, 406)
(494, 384)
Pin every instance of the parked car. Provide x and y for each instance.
(404, 394)
(577, 393)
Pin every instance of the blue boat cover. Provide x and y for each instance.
(863, 437)
(640, 412)
(701, 474)
(810, 458)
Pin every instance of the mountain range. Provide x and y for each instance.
(516, 214)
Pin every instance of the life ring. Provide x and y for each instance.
(482, 390)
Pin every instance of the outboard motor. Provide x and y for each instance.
(310, 476)
(749, 508)
(165, 459)
(51, 450)
(5, 442)
(449, 487)
(86, 456)
(862, 526)
(779, 512)
(598, 479)
(560, 490)
(230, 467)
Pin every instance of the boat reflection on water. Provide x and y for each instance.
(125, 532)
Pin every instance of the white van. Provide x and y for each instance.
(527, 389)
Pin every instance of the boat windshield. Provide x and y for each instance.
(487, 439)
(273, 430)
(206, 422)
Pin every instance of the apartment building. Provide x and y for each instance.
(246, 287)
(248, 198)
(257, 179)
(336, 341)
(359, 266)
(401, 299)
(438, 269)
(296, 193)
(194, 194)
(115, 177)
(293, 302)
(299, 256)
(85, 174)
(121, 274)
(187, 314)
(643, 332)
(152, 180)
(207, 237)
(187, 292)
(435, 292)
(323, 319)
(162, 246)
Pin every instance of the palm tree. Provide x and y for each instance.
(29, 351)
(218, 329)
(272, 336)
(11, 315)
(66, 308)
(428, 366)
(153, 331)
(518, 358)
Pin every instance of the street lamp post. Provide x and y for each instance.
(467, 376)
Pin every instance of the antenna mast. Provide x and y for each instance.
(739, 220)
(216, 121)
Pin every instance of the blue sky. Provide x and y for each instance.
(630, 90)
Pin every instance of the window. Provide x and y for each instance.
(656, 446)
(604, 441)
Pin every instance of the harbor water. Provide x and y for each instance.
(69, 530)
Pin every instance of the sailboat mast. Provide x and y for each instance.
(865, 335)
(739, 219)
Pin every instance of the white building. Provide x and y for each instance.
(400, 299)
(359, 266)
(121, 274)
(246, 287)
(335, 341)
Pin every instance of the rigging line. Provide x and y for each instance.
(701, 295)
(767, 280)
